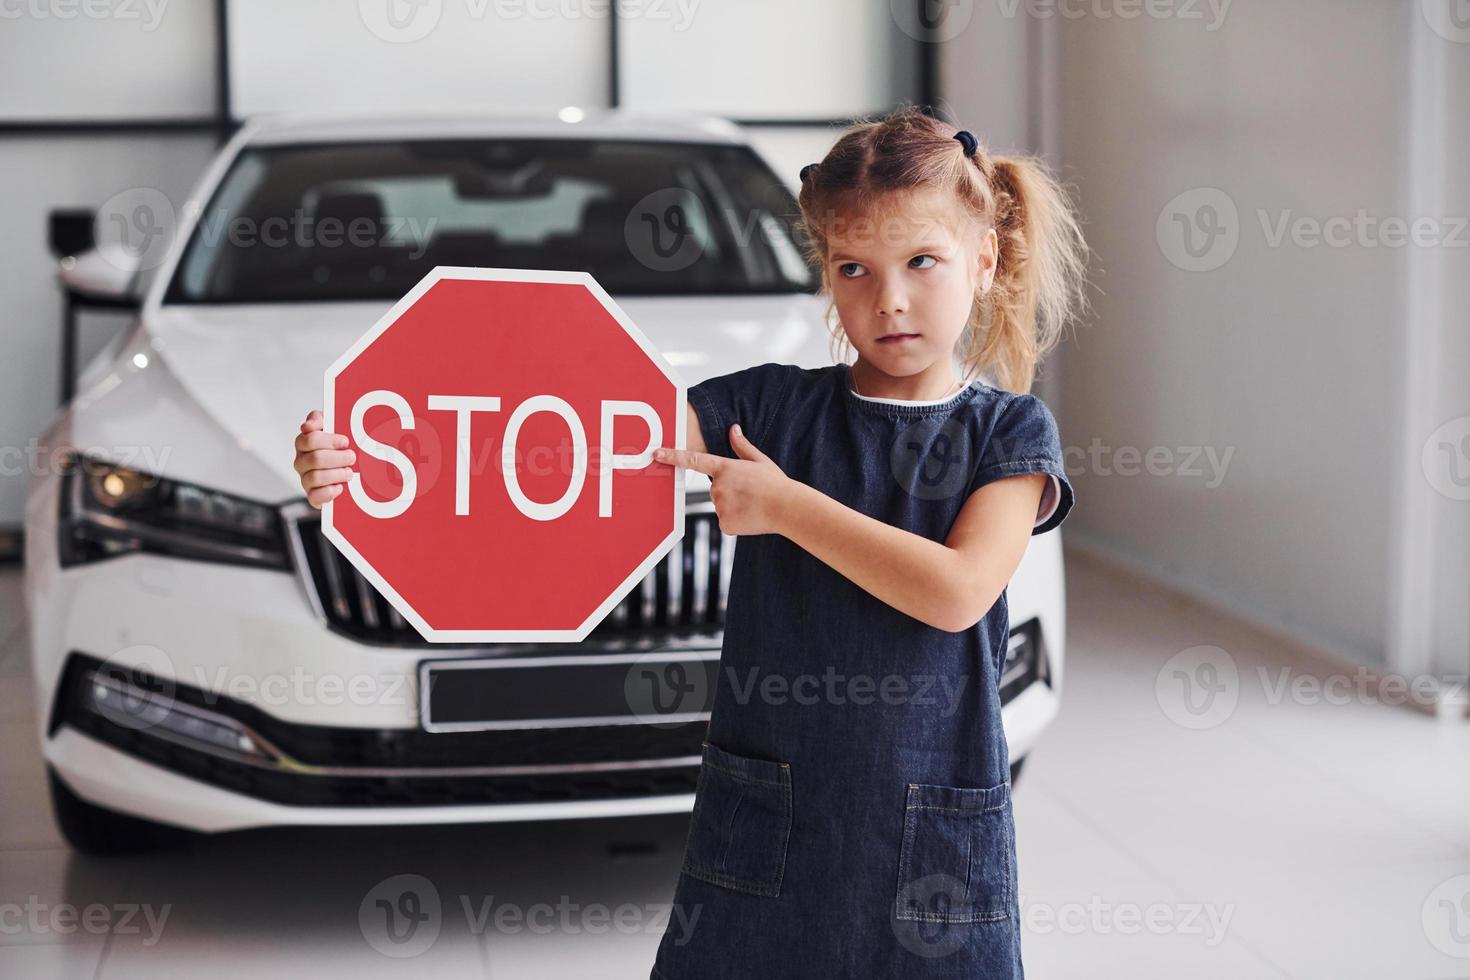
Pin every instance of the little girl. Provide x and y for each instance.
(853, 811)
(852, 817)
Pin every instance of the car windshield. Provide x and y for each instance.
(369, 220)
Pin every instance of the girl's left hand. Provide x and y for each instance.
(748, 493)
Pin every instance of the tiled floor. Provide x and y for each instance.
(1295, 836)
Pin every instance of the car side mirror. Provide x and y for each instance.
(93, 280)
(89, 277)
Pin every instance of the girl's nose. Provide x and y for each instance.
(891, 301)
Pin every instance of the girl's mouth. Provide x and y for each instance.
(897, 338)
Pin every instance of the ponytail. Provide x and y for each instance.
(1040, 277)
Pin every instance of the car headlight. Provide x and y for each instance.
(108, 510)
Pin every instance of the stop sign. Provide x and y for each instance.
(504, 422)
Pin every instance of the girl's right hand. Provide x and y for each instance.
(323, 460)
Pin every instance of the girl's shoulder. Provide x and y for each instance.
(1013, 405)
(1013, 423)
(1017, 434)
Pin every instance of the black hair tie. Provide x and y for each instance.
(805, 171)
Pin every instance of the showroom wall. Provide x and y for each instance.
(1287, 387)
(105, 98)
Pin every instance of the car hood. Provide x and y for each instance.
(255, 370)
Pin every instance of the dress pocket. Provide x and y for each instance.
(741, 822)
(955, 861)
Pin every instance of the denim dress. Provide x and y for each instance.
(852, 816)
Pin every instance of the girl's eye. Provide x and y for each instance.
(842, 269)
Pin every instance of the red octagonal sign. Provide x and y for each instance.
(504, 422)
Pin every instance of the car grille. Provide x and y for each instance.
(684, 594)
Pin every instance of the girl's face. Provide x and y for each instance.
(911, 277)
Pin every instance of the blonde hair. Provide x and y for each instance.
(1041, 275)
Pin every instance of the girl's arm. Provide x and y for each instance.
(950, 586)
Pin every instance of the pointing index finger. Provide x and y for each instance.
(699, 462)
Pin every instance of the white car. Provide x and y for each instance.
(205, 661)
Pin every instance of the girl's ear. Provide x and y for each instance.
(988, 258)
